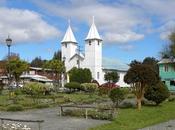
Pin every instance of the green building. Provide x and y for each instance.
(167, 73)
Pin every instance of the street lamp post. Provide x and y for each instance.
(9, 43)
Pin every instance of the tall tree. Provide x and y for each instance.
(57, 55)
(111, 77)
(57, 67)
(134, 62)
(169, 50)
(152, 62)
(17, 67)
(37, 62)
(141, 76)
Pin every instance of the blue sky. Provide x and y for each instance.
(130, 29)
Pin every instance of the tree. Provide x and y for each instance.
(157, 93)
(140, 77)
(134, 62)
(169, 50)
(152, 62)
(57, 55)
(111, 77)
(37, 62)
(56, 66)
(80, 75)
(17, 67)
(116, 95)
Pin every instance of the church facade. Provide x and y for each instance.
(91, 58)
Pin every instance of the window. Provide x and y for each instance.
(66, 45)
(98, 75)
(77, 62)
(98, 42)
(172, 83)
(163, 82)
(166, 68)
(89, 42)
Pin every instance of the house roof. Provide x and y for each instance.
(36, 77)
(93, 33)
(166, 60)
(69, 36)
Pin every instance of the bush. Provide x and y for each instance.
(80, 75)
(106, 88)
(116, 95)
(157, 93)
(15, 108)
(72, 86)
(35, 89)
(89, 87)
(42, 106)
(96, 82)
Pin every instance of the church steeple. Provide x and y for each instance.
(69, 36)
(93, 33)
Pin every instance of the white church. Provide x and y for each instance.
(91, 58)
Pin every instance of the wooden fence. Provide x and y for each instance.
(83, 107)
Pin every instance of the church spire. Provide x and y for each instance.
(93, 33)
(69, 36)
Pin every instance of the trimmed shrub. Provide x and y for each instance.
(89, 87)
(157, 93)
(73, 86)
(80, 75)
(116, 95)
(15, 107)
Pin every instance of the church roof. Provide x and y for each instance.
(78, 55)
(113, 64)
(69, 36)
(93, 33)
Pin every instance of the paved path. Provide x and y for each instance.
(169, 125)
(52, 120)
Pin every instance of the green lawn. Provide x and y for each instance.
(132, 119)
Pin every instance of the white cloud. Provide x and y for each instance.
(122, 37)
(126, 47)
(25, 26)
(120, 21)
(112, 20)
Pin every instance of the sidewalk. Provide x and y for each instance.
(169, 125)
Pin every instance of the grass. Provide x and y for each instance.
(132, 119)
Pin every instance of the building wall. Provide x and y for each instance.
(68, 50)
(121, 75)
(167, 74)
(93, 58)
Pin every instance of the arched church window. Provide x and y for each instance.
(98, 75)
(89, 42)
(98, 42)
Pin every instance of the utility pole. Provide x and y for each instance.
(79, 52)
